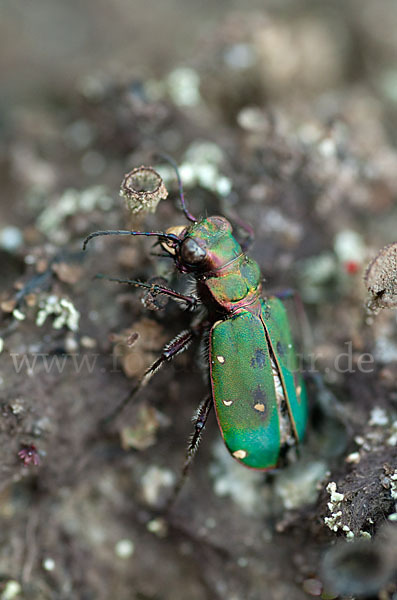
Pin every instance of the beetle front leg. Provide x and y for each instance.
(200, 420)
(191, 301)
(179, 344)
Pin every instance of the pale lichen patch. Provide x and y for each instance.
(62, 309)
(335, 521)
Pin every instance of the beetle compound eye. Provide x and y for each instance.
(191, 252)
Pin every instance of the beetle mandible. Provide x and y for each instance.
(258, 394)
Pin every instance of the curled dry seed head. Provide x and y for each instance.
(142, 189)
(381, 279)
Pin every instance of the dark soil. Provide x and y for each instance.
(299, 106)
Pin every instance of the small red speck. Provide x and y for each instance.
(29, 455)
(352, 267)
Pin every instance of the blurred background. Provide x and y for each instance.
(47, 46)
(283, 113)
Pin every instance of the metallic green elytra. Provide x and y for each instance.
(255, 383)
(259, 397)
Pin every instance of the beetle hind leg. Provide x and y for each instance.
(179, 344)
(200, 421)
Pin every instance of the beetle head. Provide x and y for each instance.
(207, 245)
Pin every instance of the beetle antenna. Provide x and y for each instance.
(165, 236)
(171, 161)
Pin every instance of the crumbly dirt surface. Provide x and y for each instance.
(285, 119)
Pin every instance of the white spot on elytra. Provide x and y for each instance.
(260, 406)
(240, 454)
(221, 359)
(227, 402)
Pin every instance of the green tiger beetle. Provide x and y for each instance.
(256, 389)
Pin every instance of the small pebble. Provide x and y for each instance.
(88, 342)
(349, 246)
(11, 590)
(184, 86)
(18, 315)
(378, 416)
(17, 406)
(158, 527)
(242, 562)
(354, 457)
(71, 344)
(11, 238)
(155, 482)
(124, 548)
(49, 564)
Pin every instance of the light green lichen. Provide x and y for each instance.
(393, 485)
(200, 167)
(183, 86)
(72, 202)
(335, 521)
(378, 417)
(62, 309)
(11, 590)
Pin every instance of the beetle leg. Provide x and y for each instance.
(200, 420)
(179, 344)
(191, 301)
